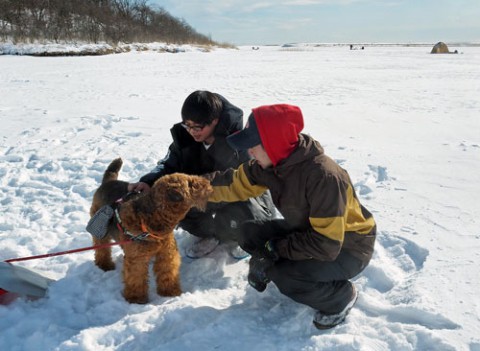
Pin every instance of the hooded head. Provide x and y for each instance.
(276, 127)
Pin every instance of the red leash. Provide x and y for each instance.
(90, 247)
(69, 251)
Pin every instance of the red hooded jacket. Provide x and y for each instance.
(278, 126)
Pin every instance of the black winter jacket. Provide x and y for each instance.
(188, 156)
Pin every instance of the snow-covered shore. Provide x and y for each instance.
(87, 49)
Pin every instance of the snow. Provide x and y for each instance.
(82, 49)
(404, 123)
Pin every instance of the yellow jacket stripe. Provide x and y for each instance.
(352, 221)
(239, 189)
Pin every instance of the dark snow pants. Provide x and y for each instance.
(223, 222)
(322, 285)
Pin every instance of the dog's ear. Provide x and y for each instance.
(174, 196)
(197, 183)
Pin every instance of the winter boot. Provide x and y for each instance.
(327, 321)
(201, 247)
(237, 252)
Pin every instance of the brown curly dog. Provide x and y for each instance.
(156, 213)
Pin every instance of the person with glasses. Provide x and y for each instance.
(199, 147)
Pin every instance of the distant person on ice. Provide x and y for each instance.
(199, 147)
(325, 238)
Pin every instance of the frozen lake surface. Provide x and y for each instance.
(404, 123)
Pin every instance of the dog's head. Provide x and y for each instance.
(180, 190)
(167, 203)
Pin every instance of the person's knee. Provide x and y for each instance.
(201, 226)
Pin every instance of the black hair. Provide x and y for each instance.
(202, 107)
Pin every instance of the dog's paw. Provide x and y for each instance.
(106, 266)
(141, 300)
(170, 292)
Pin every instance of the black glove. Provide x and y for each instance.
(257, 273)
(270, 250)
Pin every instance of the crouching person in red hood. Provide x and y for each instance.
(325, 238)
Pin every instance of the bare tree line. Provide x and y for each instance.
(110, 21)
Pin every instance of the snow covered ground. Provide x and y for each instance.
(404, 123)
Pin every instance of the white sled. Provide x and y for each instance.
(19, 281)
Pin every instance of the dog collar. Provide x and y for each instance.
(126, 232)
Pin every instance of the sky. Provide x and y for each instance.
(244, 22)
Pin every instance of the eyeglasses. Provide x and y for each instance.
(194, 128)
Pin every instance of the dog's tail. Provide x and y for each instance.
(112, 170)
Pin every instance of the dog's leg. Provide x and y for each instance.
(135, 277)
(103, 256)
(167, 268)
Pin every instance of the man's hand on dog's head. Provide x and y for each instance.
(140, 187)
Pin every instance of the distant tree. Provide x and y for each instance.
(93, 21)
